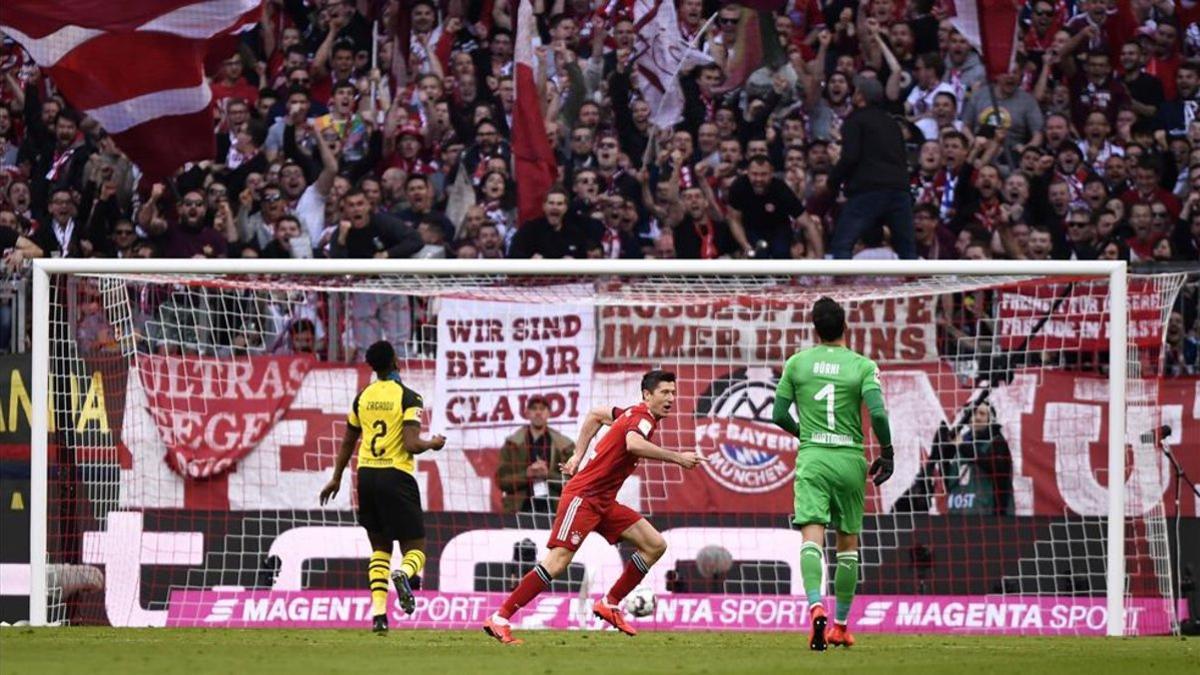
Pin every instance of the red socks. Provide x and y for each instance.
(538, 580)
(533, 583)
(635, 571)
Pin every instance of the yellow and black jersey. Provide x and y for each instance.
(381, 410)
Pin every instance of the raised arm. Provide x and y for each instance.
(816, 70)
(320, 60)
(714, 205)
(15, 88)
(149, 210)
(577, 92)
(292, 151)
(1041, 87)
(892, 86)
(868, 30)
(991, 148)
(267, 23)
(501, 17)
(329, 167)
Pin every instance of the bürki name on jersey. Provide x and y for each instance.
(826, 368)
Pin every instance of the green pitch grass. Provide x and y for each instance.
(89, 651)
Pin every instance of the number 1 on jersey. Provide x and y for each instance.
(826, 394)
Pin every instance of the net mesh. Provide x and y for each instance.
(196, 418)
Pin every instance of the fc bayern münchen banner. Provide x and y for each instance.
(494, 356)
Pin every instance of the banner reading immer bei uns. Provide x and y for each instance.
(494, 356)
(754, 331)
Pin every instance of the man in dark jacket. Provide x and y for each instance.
(59, 152)
(528, 474)
(633, 127)
(555, 234)
(762, 211)
(363, 234)
(1175, 115)
(874, 168)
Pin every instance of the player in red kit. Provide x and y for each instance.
(589, 504)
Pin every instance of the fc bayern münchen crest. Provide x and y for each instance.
(746, 452)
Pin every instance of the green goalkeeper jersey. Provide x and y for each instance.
(827, 384)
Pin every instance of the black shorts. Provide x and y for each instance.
(389, 503)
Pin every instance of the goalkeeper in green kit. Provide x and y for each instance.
(829, 384)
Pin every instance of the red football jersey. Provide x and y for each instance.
(613, 463)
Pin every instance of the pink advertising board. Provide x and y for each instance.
(995, 615)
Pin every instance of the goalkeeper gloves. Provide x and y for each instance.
(882, 467)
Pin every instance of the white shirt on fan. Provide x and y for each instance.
(921, 100)
(932, 131)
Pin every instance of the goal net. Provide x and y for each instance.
(194, 417)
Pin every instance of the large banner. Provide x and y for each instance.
(494, 356)
(212, 412)
(754, 331)
(1055, 425)
(284, 436)
(1078, 316)
(935, 614)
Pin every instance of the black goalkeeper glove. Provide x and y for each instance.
(882, 467)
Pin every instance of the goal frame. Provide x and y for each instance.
(1116, 273)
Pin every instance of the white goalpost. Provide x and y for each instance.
(1000, 335)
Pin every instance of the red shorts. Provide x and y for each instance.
(577, 516)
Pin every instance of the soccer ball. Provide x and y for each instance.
(640, 602)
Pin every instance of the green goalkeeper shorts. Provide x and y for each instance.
(830, 488)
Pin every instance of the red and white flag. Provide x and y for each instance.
(211, 413)
(990, 26)
(137, 68)
(662, 54)
(536, 168)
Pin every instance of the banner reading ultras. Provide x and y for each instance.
(212, 412)
(494, 356)
(1012, 615)
(756, 331)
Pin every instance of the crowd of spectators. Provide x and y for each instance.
(1089, 148)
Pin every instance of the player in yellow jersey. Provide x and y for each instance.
(385, 424)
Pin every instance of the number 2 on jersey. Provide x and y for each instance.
(381, 431)
(826, 394)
